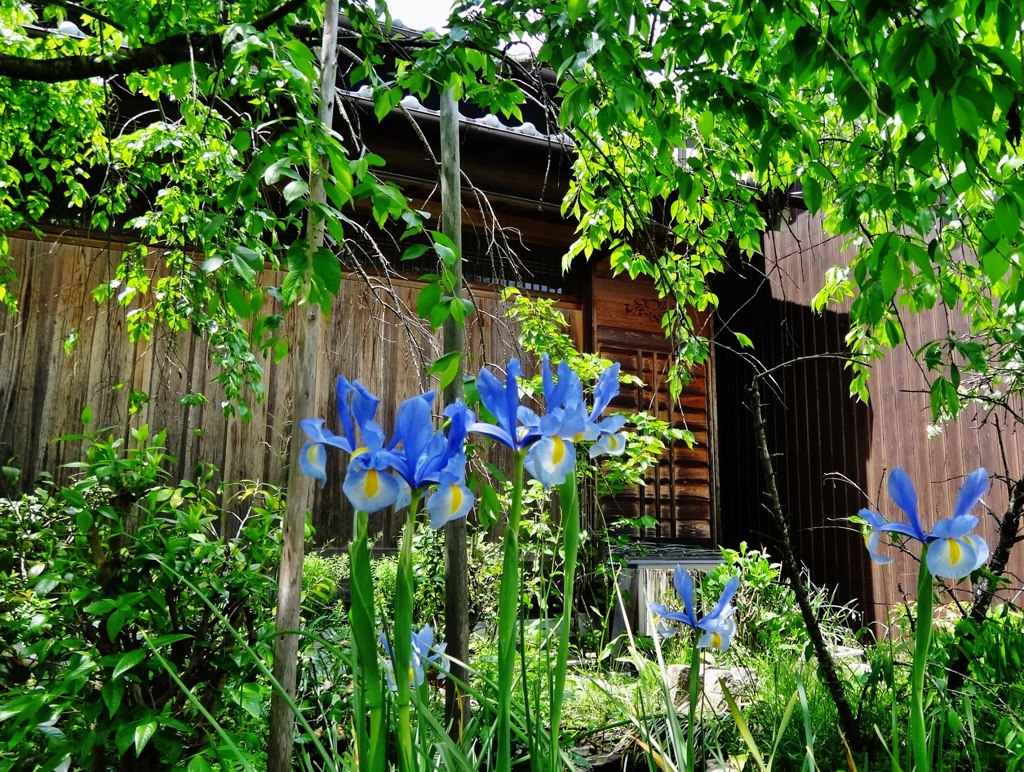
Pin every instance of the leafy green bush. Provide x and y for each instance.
(117, 592)
(769, 618)
(324, 580)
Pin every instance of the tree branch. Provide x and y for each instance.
(791, 571)
(183, 47)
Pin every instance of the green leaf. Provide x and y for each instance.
(428, 298)
(446, 368)
(415, 251)
(812, 193)
(294, 190)
(854, 99)
(211, 264)
(73, 496)
(83, 521)
(743, 340)
(167, 640)
(489, 512)
(112, 693)
(327, 270)
(86, 415)
(966, 114)
(1007, 216)
(445, 249)
(101, 606)
(576, 9)
(994, 264)
(128, 660)
(460, 309)
(199, 764)
(706, 123)
(438, 314)
(237, 300)
(925, 61)
(143, 733)
(124, 738)
(115, 622)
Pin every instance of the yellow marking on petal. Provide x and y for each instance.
(577, 437)
(456, 498)
(372, 484)
(311, 453)
(954, 552)
(558, 452)
(716, 640)
(359, 451)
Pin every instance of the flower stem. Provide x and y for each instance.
(569, 501)
(508, 608)
(402, 643)
(923, 638)
(371, 747)
(691, 705)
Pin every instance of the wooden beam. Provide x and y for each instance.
(304, 359)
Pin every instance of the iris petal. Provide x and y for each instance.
(718, 635)
(684, 589)
(954, 527)
(902, 491)
(551, 460)
(871, 540)
(370, 490)
(606, 390)
(313, 461)
(971, 491)
(952, 558)
(449, 502)
(609, 444)
(722, 608)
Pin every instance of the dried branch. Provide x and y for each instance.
(791, 570)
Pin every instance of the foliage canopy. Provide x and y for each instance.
(900, 123)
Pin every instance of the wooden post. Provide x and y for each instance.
(456, 599)
(304, 357)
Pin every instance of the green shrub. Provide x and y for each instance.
(769, 619)
(107, 571)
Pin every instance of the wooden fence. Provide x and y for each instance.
(370, 336)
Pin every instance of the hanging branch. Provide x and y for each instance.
(183, 47)
(791, 571)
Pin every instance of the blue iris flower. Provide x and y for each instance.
(953, 551)
(424, 654)
(356, 410)
(428, 457)
(552, 456)
(369, 484)
(550, 439)
(718, 627)
(606, 434)
(502, 402)
(417, 456)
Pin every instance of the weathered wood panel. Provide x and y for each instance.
(678, 493)
(371, 336)
(833, 453)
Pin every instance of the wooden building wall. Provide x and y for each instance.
(680, 492)
(43, 390)
(833, 453)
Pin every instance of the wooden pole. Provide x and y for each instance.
(304, 365)
(456, 600)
